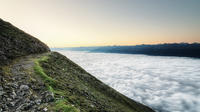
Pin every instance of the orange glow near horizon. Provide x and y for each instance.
(69, 23)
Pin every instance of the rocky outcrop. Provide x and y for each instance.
(15, 43)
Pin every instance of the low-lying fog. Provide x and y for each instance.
(166, 84)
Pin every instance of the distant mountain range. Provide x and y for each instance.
(169, 49)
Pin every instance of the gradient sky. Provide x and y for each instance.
(64, 23)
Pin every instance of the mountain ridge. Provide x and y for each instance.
(32, 79)
(167, 49)
(15, 43)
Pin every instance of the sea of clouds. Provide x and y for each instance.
(166, 84)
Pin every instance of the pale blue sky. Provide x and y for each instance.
(61, 23)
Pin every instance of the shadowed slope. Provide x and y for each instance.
(15, 43)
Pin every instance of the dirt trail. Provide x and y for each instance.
(21, 89)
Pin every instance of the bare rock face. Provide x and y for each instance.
(15, 43)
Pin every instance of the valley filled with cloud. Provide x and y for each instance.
(166, 84)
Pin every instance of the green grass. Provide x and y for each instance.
(56, 92)
(38, 69)
(75, 90)
(60, 105)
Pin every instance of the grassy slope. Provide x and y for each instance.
(76, 90)
(15, 43)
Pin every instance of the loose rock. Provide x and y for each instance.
(24, 87)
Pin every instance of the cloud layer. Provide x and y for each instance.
(167, 84)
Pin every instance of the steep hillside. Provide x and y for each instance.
(15, 43)
(36, 80)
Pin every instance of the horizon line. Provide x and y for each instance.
(128, 45)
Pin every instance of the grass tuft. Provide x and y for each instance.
(62, 106)
(56, 92)
(38, 69)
